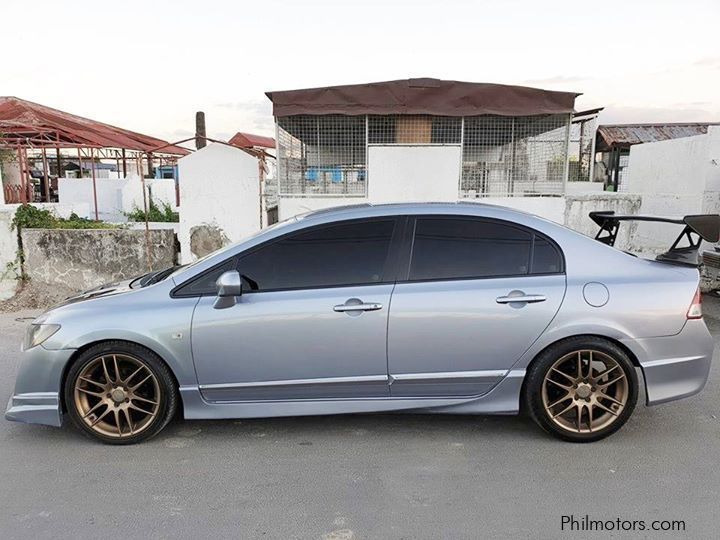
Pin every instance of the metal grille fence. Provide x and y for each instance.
(414, 129)
(322, 155)
(501, 156)
(514, 156)
(582, 150)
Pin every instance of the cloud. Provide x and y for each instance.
(680, 112)
(558, 79)
(257, 107)
(710, 61)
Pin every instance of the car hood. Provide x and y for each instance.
(109, 289)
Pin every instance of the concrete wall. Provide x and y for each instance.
(8, 253)
(220, 199)
(578, 208)
(115, 197)
(413, 173)
(675, 178)
(84, 258)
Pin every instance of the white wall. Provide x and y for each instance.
(552, 208)
(60, 210)
(584, 187)
(115, 196)
(8, 253)
(219, 186)
(293, 206)
(413, 173)
(674, 178)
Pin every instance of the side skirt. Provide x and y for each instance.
(502, 399)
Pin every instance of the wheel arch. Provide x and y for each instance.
(633, 358)
(80, 350)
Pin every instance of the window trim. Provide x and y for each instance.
(391, 266)
(412, 225)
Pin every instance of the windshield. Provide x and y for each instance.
(153, 277)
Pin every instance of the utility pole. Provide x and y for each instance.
(200, 132)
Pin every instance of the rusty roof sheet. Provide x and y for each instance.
(423, 96)
(250, 140)
(626, 135)
(45, 126)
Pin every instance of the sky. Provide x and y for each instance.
(148, 65)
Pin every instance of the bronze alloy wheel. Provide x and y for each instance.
(117, 395)
(585, 391)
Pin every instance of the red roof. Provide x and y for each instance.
(249, 140)
(37, 125)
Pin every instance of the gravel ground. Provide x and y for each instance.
(366, 476)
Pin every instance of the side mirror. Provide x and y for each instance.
(229, 286)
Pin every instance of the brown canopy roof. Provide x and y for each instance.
(422, 96)
(31, 124)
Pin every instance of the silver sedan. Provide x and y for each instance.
(438, 308)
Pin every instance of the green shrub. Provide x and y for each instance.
(28, 216)
(163, 213)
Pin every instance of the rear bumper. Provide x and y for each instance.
(36, 399)
(674, 367)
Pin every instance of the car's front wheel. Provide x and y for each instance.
(120, 393)
(581, 389)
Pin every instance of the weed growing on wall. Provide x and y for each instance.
(163, 213)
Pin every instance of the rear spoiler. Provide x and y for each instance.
(697, 228)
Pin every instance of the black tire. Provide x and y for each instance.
(535, 379)
(167, 401)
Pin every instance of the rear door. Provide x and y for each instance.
(478, 293)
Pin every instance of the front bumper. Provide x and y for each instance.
(35, 408)
(36, 399)
(675, 367)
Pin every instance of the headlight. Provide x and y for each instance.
(38, 333)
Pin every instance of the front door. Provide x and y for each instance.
(312, 323)
(478, 294)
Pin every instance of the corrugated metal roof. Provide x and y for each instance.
(25, 120)
(250, 140)
(626, 135)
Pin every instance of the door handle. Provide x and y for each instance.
(357, 307)
(521, 298)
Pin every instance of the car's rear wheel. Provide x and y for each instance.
(581, 389)
(120, 393)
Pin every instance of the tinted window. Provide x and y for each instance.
(205, 284)
(446, 248)
(546, 257)
(343, 254)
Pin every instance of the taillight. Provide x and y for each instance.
(695, 309)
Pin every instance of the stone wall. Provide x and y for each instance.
(8, 255)
(84, 258)
(578, 208)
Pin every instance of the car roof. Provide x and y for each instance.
(369, 209)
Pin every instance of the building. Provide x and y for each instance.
(613, 143)
(53, 156)
(420, 139)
